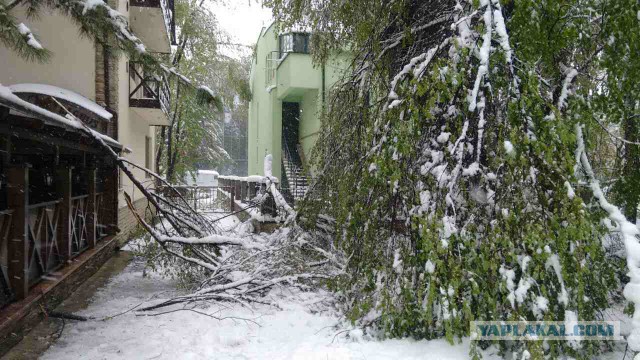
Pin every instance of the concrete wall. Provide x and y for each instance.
(310, 121)
(265, 113)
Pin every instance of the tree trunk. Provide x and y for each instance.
(631, 168)
(170, 135)
(162, 143)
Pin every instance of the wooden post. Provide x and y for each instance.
(238, 189)
(63, 186)
(18, 246)
(92, 213)
(232, 191)
(110, 199)
(195, 197)
(252, 190)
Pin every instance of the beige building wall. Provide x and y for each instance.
(72, 66)
(72, 62)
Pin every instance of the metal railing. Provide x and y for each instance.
(201, 198)
(295, 179)
(79, 230)
(272, 62)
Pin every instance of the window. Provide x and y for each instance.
(294, 43)
(147, 155)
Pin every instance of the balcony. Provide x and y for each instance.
(153, 21)
(296, 75)
(148, 96)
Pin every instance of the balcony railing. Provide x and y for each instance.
(272, 61)
(145, 91)
(295, 42)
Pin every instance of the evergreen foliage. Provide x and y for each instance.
(448, 159)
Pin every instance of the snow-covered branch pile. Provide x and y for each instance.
(239, 266)
(243, 268)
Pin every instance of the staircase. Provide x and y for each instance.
(294, 179)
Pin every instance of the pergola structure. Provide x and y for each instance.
(58, 187)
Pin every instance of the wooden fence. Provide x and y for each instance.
(36, 239)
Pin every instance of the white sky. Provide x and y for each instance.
(242, 19)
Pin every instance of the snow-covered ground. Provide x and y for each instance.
(304, 328)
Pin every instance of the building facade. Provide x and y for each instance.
(61, 194)
(288, 93)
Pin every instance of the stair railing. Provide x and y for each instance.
(293, 178)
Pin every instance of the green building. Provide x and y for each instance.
(288, 93)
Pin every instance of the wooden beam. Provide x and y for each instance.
(144, 103)
(5, 149)
(110, 199)
(18, 247)
(91, 220)
(63, 186)
(30, 134)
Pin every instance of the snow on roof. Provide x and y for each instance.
(7, 96)
(208, 172)
(64, 94)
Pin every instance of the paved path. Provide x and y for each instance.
(34, 344)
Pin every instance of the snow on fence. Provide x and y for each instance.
(233, 193)
(243, 193)
(201, 198)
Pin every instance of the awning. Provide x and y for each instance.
(62, 94)
(13, 102)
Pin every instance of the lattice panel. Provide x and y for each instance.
(79, 231)
(44, 250)
(101, 221)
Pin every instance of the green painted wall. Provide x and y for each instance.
(296, 79)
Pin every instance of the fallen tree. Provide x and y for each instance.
(239, 268)
(242, 267)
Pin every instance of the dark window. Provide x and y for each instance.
(294, 43)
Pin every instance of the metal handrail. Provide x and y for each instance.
(294, 178)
